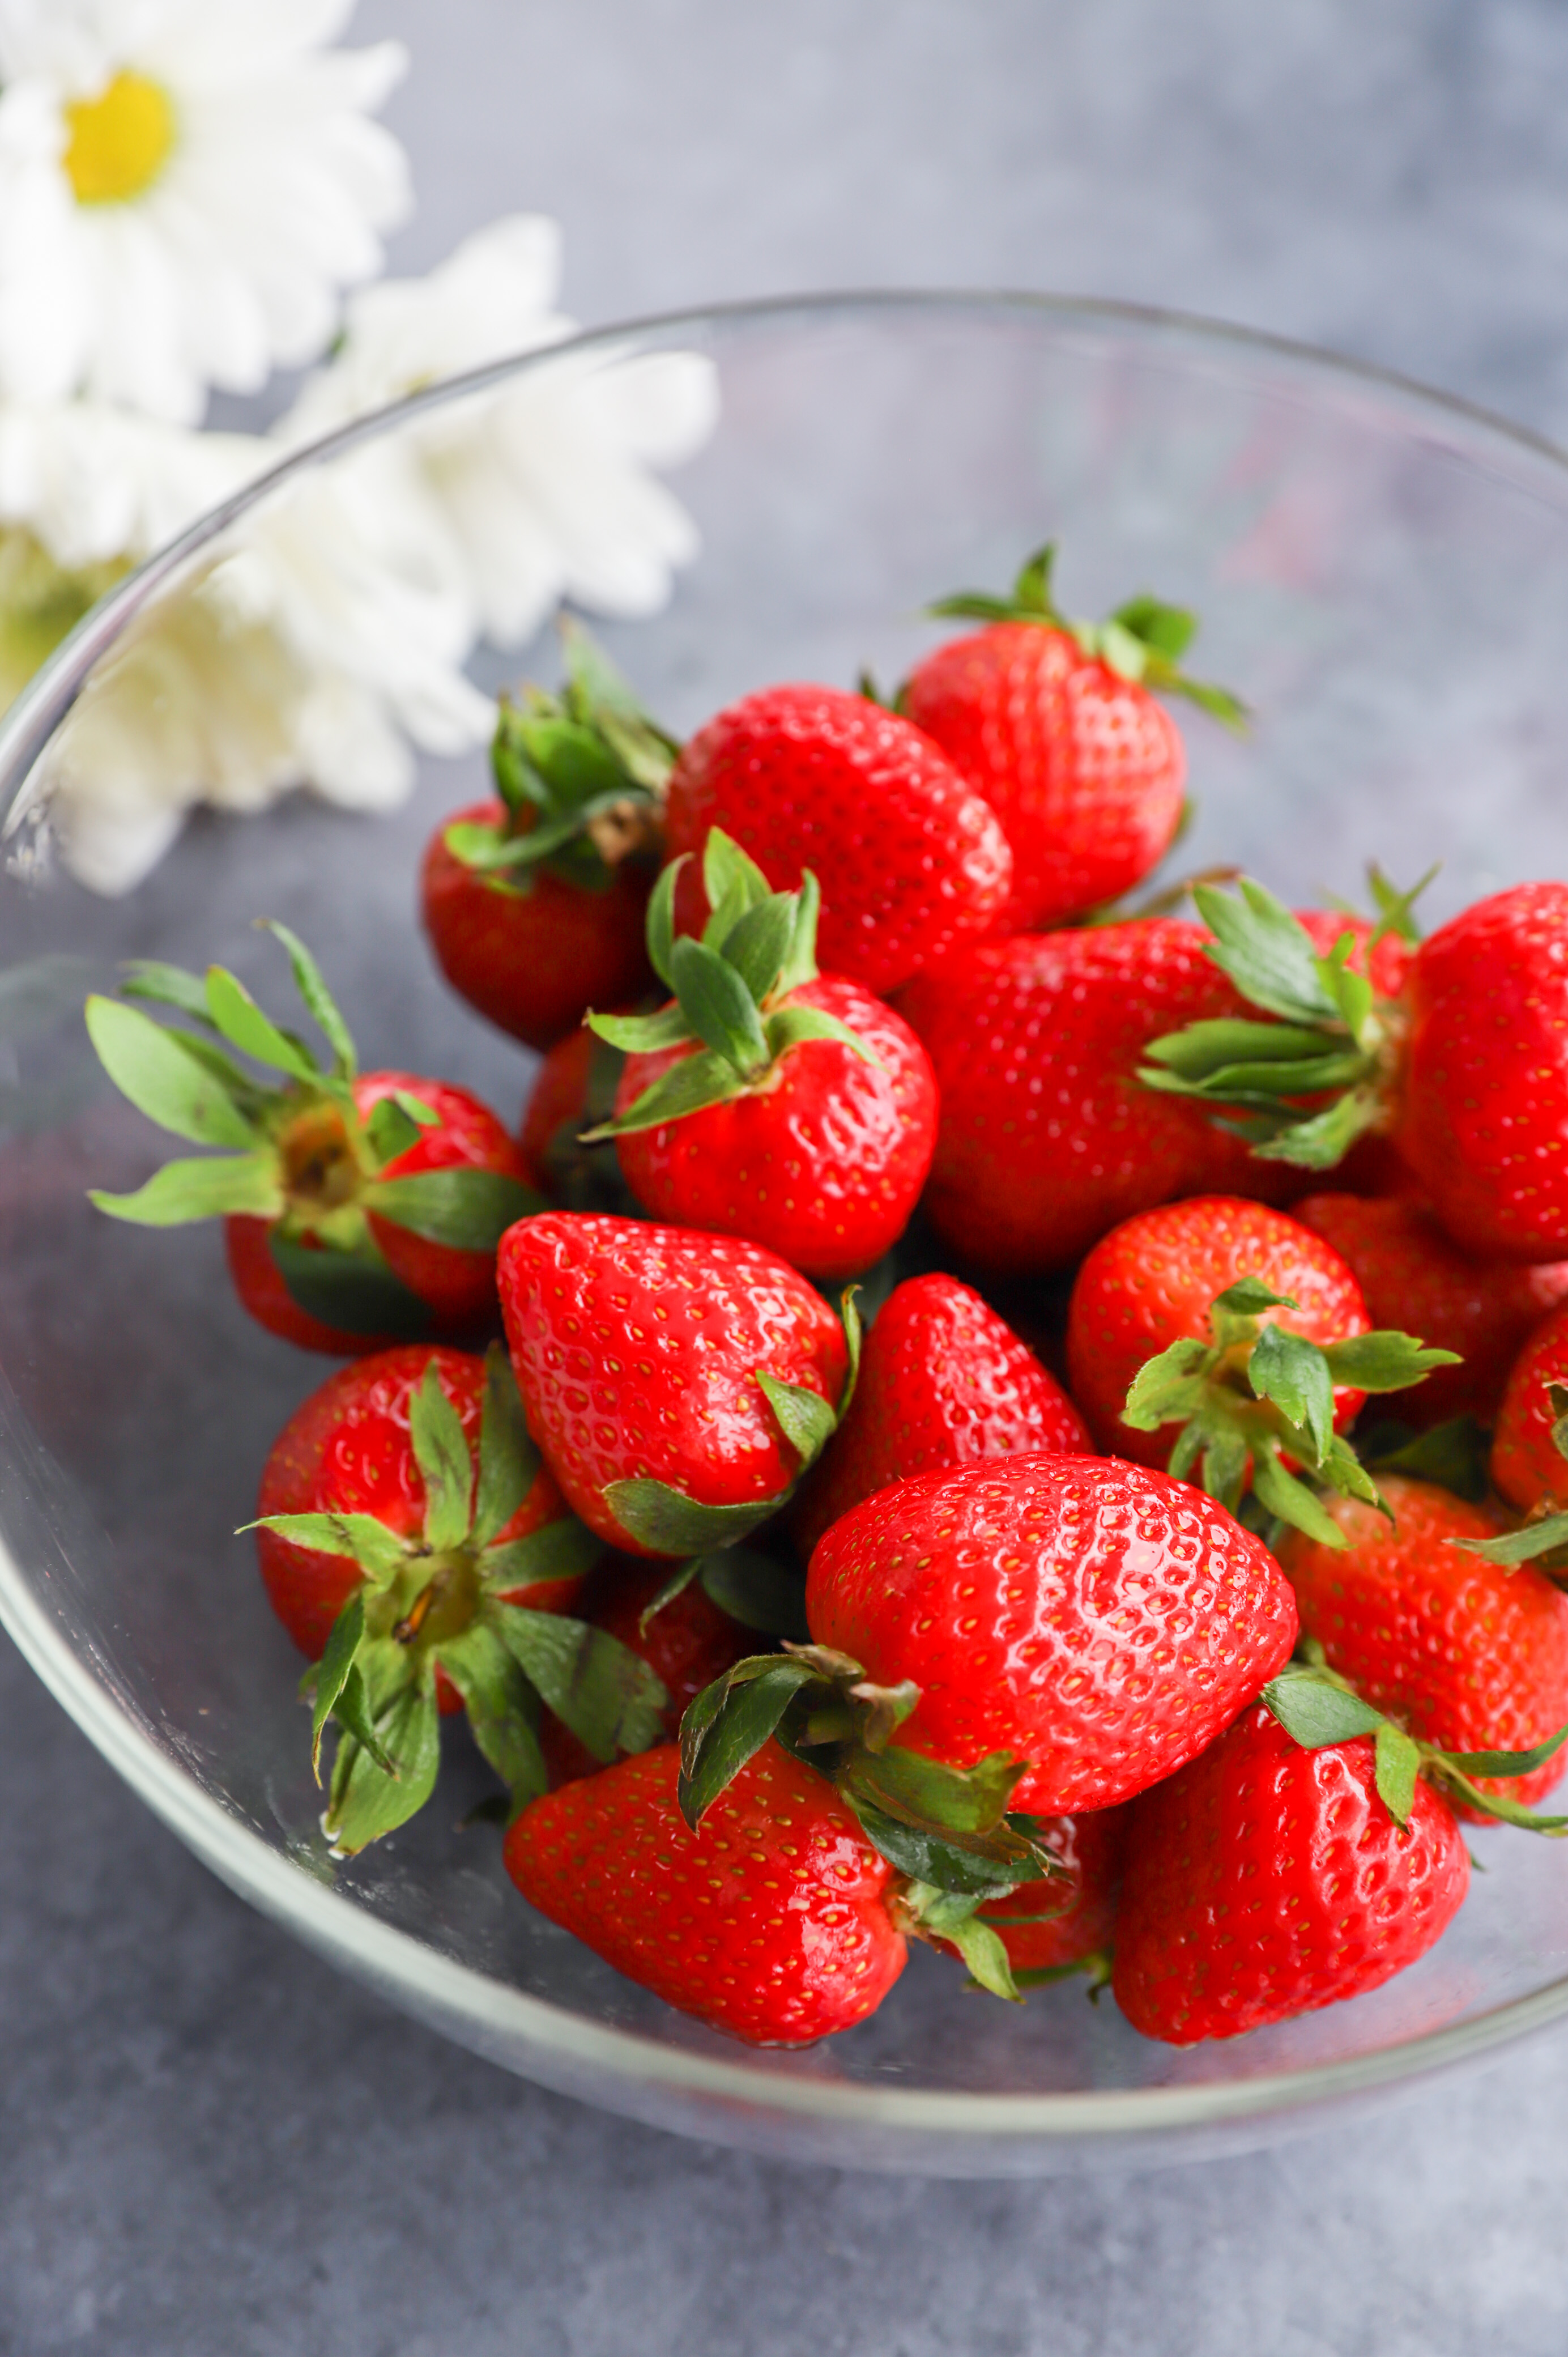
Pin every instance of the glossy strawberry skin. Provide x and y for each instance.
(1527, 1469)
(770, 1922)
(1154, 1280)
(688, 1643)
(1083, 767)
(636, 1350)
(909, 857)
(1484, 1102)
(942, 1382)
(1264, 1880)
(347, 1449)
(1098, 1620)
(822, 1163)
(1045, 1139)
(1092, 1846)
(1415, 1276)
(1466, 1654)
(533, 961)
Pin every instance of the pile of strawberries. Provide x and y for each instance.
(927, 1488)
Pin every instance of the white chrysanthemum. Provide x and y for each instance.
(185, 187)
(544, 487)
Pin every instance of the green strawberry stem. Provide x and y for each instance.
(730, 989)
(1144, 641)
(1256, 1392)
(1543, 1538)
(442, 1600)
(1317, 1707)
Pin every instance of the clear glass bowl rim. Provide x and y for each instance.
(548, 2042)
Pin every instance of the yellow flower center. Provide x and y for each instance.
(120, 141)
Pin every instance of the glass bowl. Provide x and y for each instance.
(1383, 573)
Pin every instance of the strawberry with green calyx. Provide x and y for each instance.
(534, 903)
(362, 1208)
(678, 1384)
(448, 1580)
(768, 1100)
(1054, 722)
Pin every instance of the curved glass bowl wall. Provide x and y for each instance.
(1384, 576)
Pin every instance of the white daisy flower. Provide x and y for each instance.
(185, 187)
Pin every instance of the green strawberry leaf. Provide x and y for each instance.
(644, 1035)
(391, 1129)
(465, 1209)
(1221, 1047)
(167, 986)
(661, 921)
(1507, 1763)
(331, 1674)
(729, 1722)
(367, 1802)
(719, 1007)
(806, 1419)
(1267, 953)
(1320, 1142)
(380, 1553)
(562, 1549)
(755, 1590)
(731, 881)
(243, 1025)
(346, 1290)
(926, 1858)
(1316, 1709)
(445, 1464)
(1290, 1500)
(501, 1704)
(1294, 1372)
(667, 1522)
(951, 1802)
(1343, 1470)
(1249, 1297)
(163, 1079)
(677, 1584)
(319, 1002)
(792, 1027)
(208, 1187)
(598, 1687)
(508, 1459)
(1166, 631)
(759, 942)
(1166, 1385)
(1398, 1764)
(1225, 1458)
(597, 694)
(800, 958)
(690, 1086)
(1384, 1362)
(1520, 1546)
(947, 1916)
(1455, 1455)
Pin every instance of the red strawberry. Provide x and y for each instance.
(1412, 1273)
(1053, 722)
(1528, 1466)
(1096, 1621)
(411, 1538)
(1264, 1880)
(676, 1382)
(768, 1100)
(1465, 1654)
(942, 1382)
(362, 1208)
(1045, 1931)
(809, 777)
(534, 903)
(771, 1922)
(687, 1643)
(1045, 1140)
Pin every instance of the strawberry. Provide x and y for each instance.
(767, 1100)
(1467, 1070)
(942, 1382)
(772, 1921)
(1046, 1934)
(1265, 1879)
(1096, 1621)
(1045, 1140)
(410, 1537)
(1054, 723)
(362, 1208)
(534, 903)
(811, 777)
(1528, 1458)
(676, 1382)
(1464, 1652)
(1410, 1272)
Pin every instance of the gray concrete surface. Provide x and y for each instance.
(210, 2144)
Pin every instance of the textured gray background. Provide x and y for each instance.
(208, 2142)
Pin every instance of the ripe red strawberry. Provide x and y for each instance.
(676, 1382)
(1046, 1930)
(809, 777)
(772, 1921)
(687, 1643)
(362, 1208)
(767, 1100)
(1528, 1466)
(1264, 1880)
(1465, 1654)
(1045, 1140)
(1097, 1621)
(1412, 1273)
(411, 1538)
(534, 903)
(1054, 723)
(942, 1382)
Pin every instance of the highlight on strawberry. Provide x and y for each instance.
(361, 1208)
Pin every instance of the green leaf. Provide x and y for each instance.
(163, 1079)
(1322, 1141)
(1268, 954)
(793, 1027)
(755, 1590)
(1316, 1710)
(677, 1584)
(1455, 1455)
(465, 1209)
(346, 1290)
(167, 985)
(445, 1464)
(1225, 1455)
(661, 921)
(1507, 1763)
(667, 1522)
(644, 1035)
(320, 1004)
(853, 1340)
(1294, 1372)
(728, 1723)
(351, 1712)
(950, 1802)
(690, 1086)
(380, 1553)
(1220, 702)
(731, 880)
(1520, 1546)
(208, 1187)
(926, 1858)
(980, 1948)
(1229, 1044)
(598, 1687)
(598, 694)
(1166, 1385)
(332, 1673)
(1166, 631)
(1290, 1500)
(718, 1007)
(366, 1802)
(1398, 1766)
(1249, 1297)
(1343, 1470)
(800, 958)
(1120, 652)
(391, 1129)
(1383, 1362)
(576, 764)
(759, 942)
(508, 1459)
(500, 1703)
(806, 1419)
(562, 1549)
(244, 1025)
